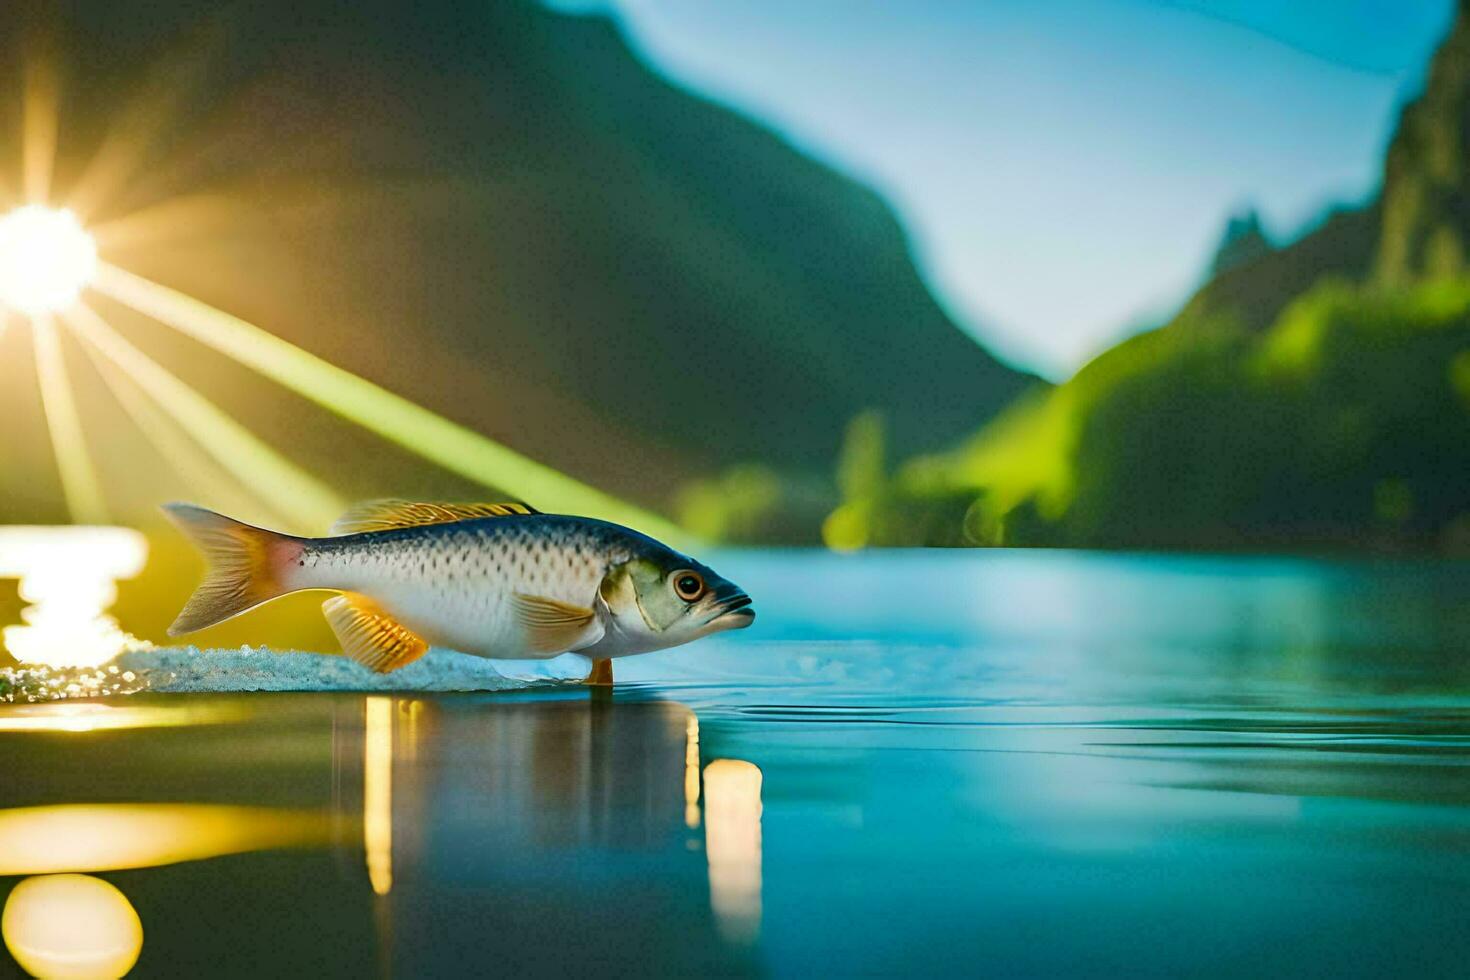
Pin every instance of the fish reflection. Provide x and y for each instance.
(497, 819)
(71, 925)
(549, 773)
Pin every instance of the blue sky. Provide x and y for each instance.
(1064, 167)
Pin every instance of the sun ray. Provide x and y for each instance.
(290, 489)
(187, 458)
(137, 126)
(225, 208)
(79, 484)
(40, 93)
(452, 446)
(170, 219)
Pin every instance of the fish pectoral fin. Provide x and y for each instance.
(553, 626)
(386, 515)
(369, 635)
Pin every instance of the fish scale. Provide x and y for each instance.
(484, 564)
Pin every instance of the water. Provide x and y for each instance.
(940, 763)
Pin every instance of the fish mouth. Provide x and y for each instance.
(734, 614)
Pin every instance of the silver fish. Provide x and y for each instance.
(496, 580)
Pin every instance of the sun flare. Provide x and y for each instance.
(59, 295)
(46, 259)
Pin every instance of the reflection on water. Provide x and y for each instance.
(926, 764)
(487, 816)
(377, 792)
(69, 576)
(71, 925)
(60, 924)
(94, 717)
(109, 836)
(691, 773)
(32, 684)
(732, 835)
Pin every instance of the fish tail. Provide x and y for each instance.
(246, 566)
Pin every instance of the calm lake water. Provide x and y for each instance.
(1015, 764)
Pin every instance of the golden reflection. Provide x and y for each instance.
(691, 773)
(377, 793)
(106, 718)
(732, 835)
(112, 836)
(68, 575)
(71, 925)
(410, 711)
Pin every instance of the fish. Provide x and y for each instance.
(496, 580)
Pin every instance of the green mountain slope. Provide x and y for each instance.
(1426, 184)
(1253, 292)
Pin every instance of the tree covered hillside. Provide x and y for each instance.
(1313, 397)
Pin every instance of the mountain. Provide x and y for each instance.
(495, 210)
(1417, 228)
(1425, 225)
(1244, 239)
(1314, 397)
(1253, 292)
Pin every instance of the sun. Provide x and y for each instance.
(46, 259)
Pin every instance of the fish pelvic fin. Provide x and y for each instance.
(600, 675)
(387, 515)
(552, 626)
(246, 566)
(369, 635)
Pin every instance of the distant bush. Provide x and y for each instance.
(750, 503)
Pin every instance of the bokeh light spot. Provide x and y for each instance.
(71, 925)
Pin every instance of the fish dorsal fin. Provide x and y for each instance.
(369, 635)
(553, 626)
(385, 515)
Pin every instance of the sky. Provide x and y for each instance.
(1064, 168)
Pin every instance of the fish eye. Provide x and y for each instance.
(688, 585)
